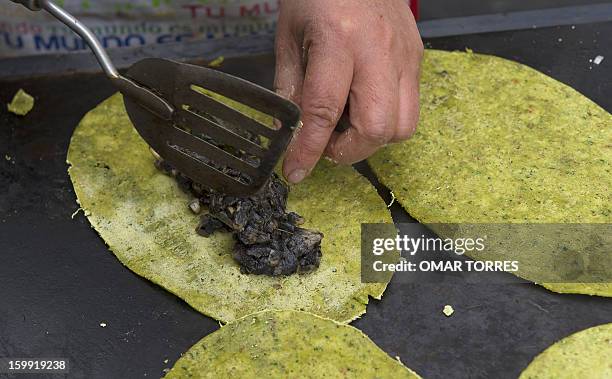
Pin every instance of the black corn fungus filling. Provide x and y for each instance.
(268, 239)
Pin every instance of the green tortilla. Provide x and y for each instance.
(287, 344)
(499, 142)
(143, 217)
(586, 354)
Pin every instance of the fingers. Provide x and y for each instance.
(323, 56)
(374, 106)
(289, 68)
(364, 138)
(383, 109)
(408, 114)
(326, 86)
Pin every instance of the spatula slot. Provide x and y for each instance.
(225, 149)
(233, 113)
(204, 127)
(208, 151)
(222, 125)
(263, 118)
(225, 176)
(234, 174)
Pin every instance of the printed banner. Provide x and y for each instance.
(125, 24)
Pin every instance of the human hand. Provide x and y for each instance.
(364, 54)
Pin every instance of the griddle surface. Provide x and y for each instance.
(58, 281)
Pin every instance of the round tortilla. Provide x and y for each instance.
(287, 344)
(143, 217)
(499, 142)
(586, 354)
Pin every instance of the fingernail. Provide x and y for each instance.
(296, 176)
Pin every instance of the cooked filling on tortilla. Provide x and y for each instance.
(268, 240)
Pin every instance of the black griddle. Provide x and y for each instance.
(58, 281)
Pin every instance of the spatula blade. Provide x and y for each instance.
(231, 146)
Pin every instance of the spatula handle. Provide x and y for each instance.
(80, 29)
(84, 32)
(140, 94)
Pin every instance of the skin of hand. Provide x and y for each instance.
(364, 55)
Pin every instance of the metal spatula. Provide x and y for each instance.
(194, 117)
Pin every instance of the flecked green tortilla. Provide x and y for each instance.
(287, 344)
(143, 217)
(586, 355)
(21, 104)
(499, 142)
